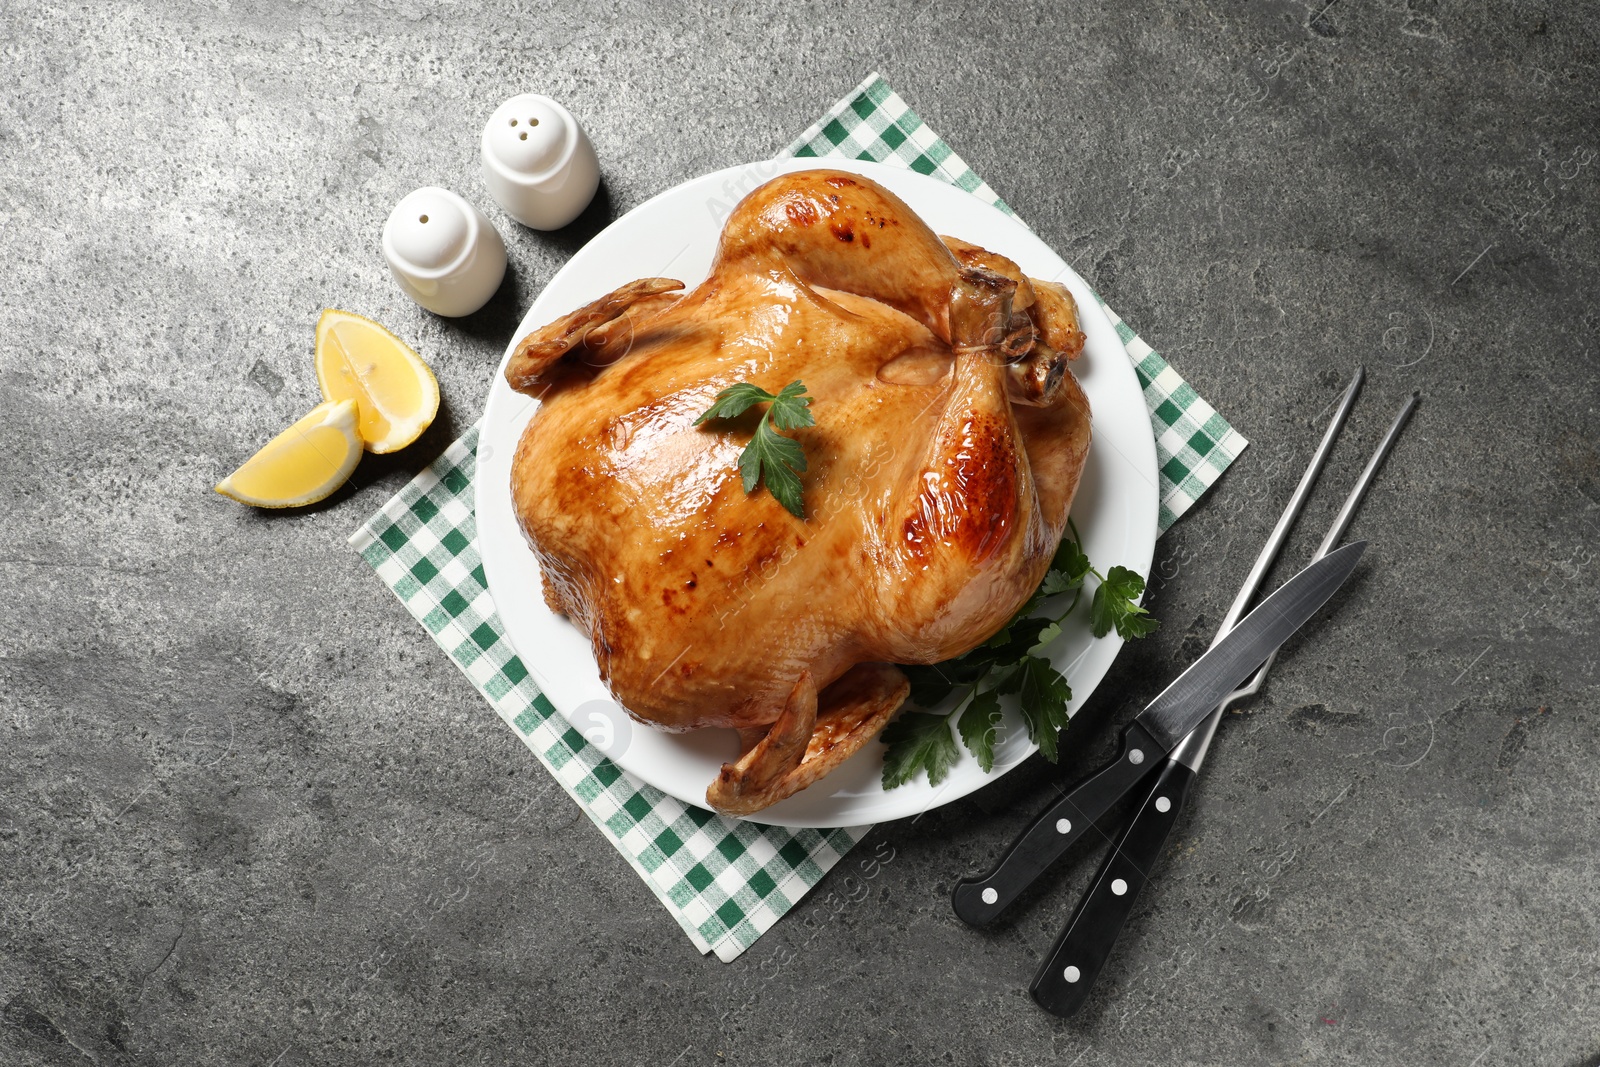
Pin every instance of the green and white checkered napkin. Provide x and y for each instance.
(725, 881)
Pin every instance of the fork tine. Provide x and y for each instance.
(1358, 492)
(1291, 511)
(1341, 523)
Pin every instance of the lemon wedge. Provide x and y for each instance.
(303, 464)
(397, 394)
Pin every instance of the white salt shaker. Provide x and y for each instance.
(443, 252)
(538, 163)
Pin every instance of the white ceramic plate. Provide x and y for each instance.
(674, 235)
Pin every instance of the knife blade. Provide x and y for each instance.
(1154, 732)
(1185, 703)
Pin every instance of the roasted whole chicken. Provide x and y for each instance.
(949, 439)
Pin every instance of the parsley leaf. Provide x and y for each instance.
(1138, 623)
(1048, 634)
(978, 725)
(734, 401)
(1011, 662)
(932, 683)
(770, 458)
(1114, 606)
(1044, 694)
(774, 459)
(791, 408)
(1067, 571)
(917, 743)
(1013, 642)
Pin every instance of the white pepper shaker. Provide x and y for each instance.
(538, 163)
(443, 252)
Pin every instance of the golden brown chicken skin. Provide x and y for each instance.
(950, 437)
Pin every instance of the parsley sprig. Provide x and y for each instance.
(770, 458)
(1009, 663)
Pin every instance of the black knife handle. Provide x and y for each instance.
(979, 901)
(1070, 968)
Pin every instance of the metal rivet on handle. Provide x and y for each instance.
(990, 896)
(1163, 804)
(1119, 887)
(1063, 826)
(1136, 757)
(1072, 974)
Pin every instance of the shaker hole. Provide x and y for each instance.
(533, 122)
(523, 135)
(513, 122)
(422, 218)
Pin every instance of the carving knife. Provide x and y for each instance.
(1155, 732)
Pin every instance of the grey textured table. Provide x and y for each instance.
(249, 814)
